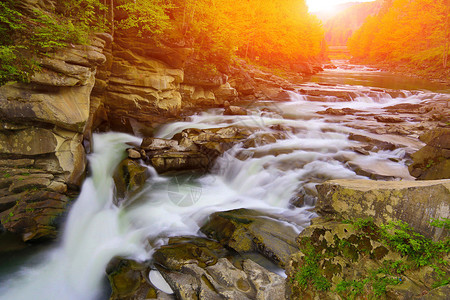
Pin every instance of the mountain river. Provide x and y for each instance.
(316, 148)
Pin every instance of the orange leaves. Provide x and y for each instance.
(408, 31)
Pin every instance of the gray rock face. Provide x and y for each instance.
(414, 202)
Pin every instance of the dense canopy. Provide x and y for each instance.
(280, 32)
(408, 32)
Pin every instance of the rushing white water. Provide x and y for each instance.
(264, 177)
(93, 234)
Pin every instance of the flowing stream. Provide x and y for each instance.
(316, 147)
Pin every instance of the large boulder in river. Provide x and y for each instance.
(414, 202)
(432, 161)
(129, 178)
(346, 260)
(129, 281)
(251, 231)
(190, 150)
(198, 268)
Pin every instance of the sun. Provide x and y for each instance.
(327, 6)
(322, 6)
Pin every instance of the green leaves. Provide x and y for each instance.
(310, 273)
(25, 35)
(149, 17)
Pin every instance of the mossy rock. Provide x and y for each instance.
(128, 280)
(129, 178)
(339, 260)
(246, 230)
(187, 250)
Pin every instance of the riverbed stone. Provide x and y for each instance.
(251, 231)
(198, 268)
(414, 202)
(129, 178)
(190, 150)
(433, 160)
(35, 214)
(129, 281)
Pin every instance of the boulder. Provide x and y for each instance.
(33, 214)
(389, 119)
(196, 268)
(235, 111)
(246, 230)
(414, 202)
(190, 150)
(129, 178)
(433, 160)
(341, 260)
(129, 281)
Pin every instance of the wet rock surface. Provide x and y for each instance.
(129, 280)
(198, 268)
(412, 202)
(432, 161)
(129, 179)
(190, 150)
(246, 230)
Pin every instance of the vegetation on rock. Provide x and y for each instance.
(359, 260)
(27, 32)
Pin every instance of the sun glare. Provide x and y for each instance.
(327, 6)
(320, 5)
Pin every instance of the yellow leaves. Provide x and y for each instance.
(408, 31)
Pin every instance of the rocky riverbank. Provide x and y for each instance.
(117, 83)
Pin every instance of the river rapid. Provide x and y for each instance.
(319, 143)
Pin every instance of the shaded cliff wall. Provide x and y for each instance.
(42, 159)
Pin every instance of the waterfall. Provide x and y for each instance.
(95, 231)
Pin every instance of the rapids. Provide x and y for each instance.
(316, 148)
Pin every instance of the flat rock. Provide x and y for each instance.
(414, 202)
(388, 119)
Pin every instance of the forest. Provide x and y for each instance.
(339, 27)
(270, 32)
(411, 33)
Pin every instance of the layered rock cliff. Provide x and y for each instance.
(42, 159)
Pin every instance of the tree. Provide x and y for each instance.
(411, 32)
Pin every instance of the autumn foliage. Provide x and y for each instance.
(406, 32)
(265, 30)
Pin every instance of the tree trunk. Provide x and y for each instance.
(446, 35)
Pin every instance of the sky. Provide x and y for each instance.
(326, 5)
